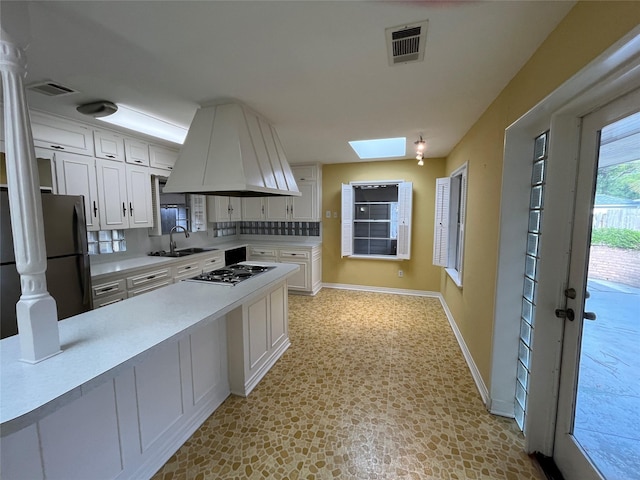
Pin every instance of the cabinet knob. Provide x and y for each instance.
(110, 156)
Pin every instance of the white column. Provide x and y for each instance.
(36, 310)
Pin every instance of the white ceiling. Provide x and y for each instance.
(317, 69)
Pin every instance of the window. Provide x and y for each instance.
(448, 242)
(376, 219)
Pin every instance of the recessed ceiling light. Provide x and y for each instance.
(141, 122)
(380, 147)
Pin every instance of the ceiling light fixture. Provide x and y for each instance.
(132, 119)
(421, 145)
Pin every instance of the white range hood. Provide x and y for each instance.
(233, 151)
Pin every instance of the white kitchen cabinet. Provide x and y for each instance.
(54, 133)
(261, 253)
(308, 279)
(212, 261)
(109, 145)
(136, 152)
(257, 335)
(162, 157)
(301, 280)
(148, 280)
(112, 194)
(186, 269)
(76, 175)
(224, 209)
(108, 292)
(140, 208)
(254, 209)
(305, 208)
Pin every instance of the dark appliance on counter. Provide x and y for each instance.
(68, 274)
(235, 255)
(231, 274)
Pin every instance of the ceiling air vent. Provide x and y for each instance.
(51, 89)
(405, 43)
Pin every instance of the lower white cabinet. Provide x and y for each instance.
(257, 336)
(108, 292)
(308, 279)
(148, 281)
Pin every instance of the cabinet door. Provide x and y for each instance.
(162, 157)
(304, 208)
(112, 192)
(56, 134)
(136, 152)
(139, 196)
(76, 175)
(277, 208)
(278, 317)
(235, 209)
(257, 335)
(198, 212)
(109, 145)
(253, 209)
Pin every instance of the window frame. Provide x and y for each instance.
(403, 241)
(450, 216)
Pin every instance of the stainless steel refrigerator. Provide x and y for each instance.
(68, 274)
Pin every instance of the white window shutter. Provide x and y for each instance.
(405, 195)
(441, 227)
(462, 215)
(347, 220)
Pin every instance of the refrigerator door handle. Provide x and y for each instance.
(83, 259)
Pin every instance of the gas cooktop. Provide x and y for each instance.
(231, 274)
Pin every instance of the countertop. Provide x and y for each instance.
(129, 264)
(98, 345)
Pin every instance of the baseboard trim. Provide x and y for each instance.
(502, 408)
(475, 373)
(393, 291)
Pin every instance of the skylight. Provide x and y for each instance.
(144, 123)
(380, 147)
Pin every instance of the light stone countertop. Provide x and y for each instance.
(133, 263)
(98, 345)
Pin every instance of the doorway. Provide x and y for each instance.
(597, 428)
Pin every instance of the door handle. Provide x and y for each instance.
(95, 209)
(569, 314)
(589, 315)
(124, 210)
(130, 209)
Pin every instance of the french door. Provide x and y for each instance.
(598, 426)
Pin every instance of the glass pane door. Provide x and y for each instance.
(598, 428)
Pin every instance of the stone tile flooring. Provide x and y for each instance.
(374, 386)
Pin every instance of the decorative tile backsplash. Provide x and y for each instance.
(298, 229)
(224, 229)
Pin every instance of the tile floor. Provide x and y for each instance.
(374, 386)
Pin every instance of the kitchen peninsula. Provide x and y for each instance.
(136, 378)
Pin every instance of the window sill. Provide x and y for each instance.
(376, 257)
(455, 276)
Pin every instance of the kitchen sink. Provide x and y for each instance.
(191, 250)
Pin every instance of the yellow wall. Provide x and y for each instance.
(419, 274)
(588, 29)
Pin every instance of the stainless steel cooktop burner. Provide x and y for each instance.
(231, 274)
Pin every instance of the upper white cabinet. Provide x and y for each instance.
(254, 209)
(61, 135)
(136, 152)
(139, 196)
(305, 208)
(162, 157)
(76, 175)
(109, 145)
(224, 209)
(112, 194)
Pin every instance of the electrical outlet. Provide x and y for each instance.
(328, 214)
(400, 273)
(335, 214)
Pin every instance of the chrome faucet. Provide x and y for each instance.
(172, 243)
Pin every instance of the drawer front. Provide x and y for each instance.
(213, 263)
(257, 252)
(104, 301)
(295, 254)
(190, 269)
(108, 288)
(149, 277)
(150, 287)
